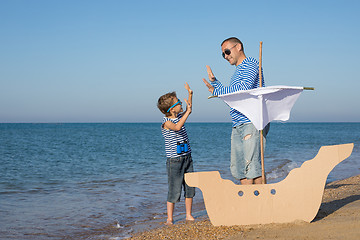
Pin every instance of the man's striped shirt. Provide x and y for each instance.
(173, 137)
(246, 77)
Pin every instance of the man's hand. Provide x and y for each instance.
(211, 78)
(210, 88)
(210, 73)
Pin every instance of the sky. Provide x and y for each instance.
(110, 61)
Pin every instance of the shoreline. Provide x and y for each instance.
(337, 218)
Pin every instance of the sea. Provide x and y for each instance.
(104, 180)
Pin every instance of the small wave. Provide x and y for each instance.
(31, 191)
(280, 172)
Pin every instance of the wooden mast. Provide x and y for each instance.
(263, 178)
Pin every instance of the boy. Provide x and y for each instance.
(178, 151)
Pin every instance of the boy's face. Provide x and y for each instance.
(178, 107)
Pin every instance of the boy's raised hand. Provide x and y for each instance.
(188, 106)
(187, 87)
(189, 100)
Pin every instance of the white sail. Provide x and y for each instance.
(263, 105)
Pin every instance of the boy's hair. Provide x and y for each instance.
(165, 102)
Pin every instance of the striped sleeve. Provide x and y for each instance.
(246, 77)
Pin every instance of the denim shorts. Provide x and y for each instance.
(246, 152)
(176, 168)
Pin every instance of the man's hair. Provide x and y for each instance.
(165, 102)
(234, 40)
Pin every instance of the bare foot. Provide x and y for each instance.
(190, 218)
(169, 222)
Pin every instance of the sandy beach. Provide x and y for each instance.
(338, 218)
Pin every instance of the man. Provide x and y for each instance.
(245, 138)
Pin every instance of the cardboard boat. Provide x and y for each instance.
(297, 197)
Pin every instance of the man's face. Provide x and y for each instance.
(232, 48)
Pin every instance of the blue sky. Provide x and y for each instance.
(109, 61)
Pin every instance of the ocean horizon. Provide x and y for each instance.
(189, 121)
(62, 180)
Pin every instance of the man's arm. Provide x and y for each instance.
(243, 80)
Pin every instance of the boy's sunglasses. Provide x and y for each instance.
(178, 102)
(227, 51)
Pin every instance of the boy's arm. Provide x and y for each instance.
(176, 127)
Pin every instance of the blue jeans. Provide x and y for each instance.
(246, 151)
(176, 169)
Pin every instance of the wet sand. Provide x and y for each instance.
(338, 218)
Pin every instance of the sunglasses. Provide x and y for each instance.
(227, 51)
(178, 102)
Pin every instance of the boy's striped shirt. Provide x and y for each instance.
(173, 137)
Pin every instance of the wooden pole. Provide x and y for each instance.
(263, 177)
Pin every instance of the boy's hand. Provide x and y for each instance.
(188, 106)
(187, 87)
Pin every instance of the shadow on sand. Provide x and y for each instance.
(328, 208)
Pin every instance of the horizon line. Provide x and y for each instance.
(160, 122)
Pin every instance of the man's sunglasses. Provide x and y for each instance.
(227, 51)
(178, 102)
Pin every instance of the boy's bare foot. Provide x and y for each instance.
(190, 218)
(169, 222)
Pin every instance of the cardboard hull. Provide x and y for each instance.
(297, 197)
